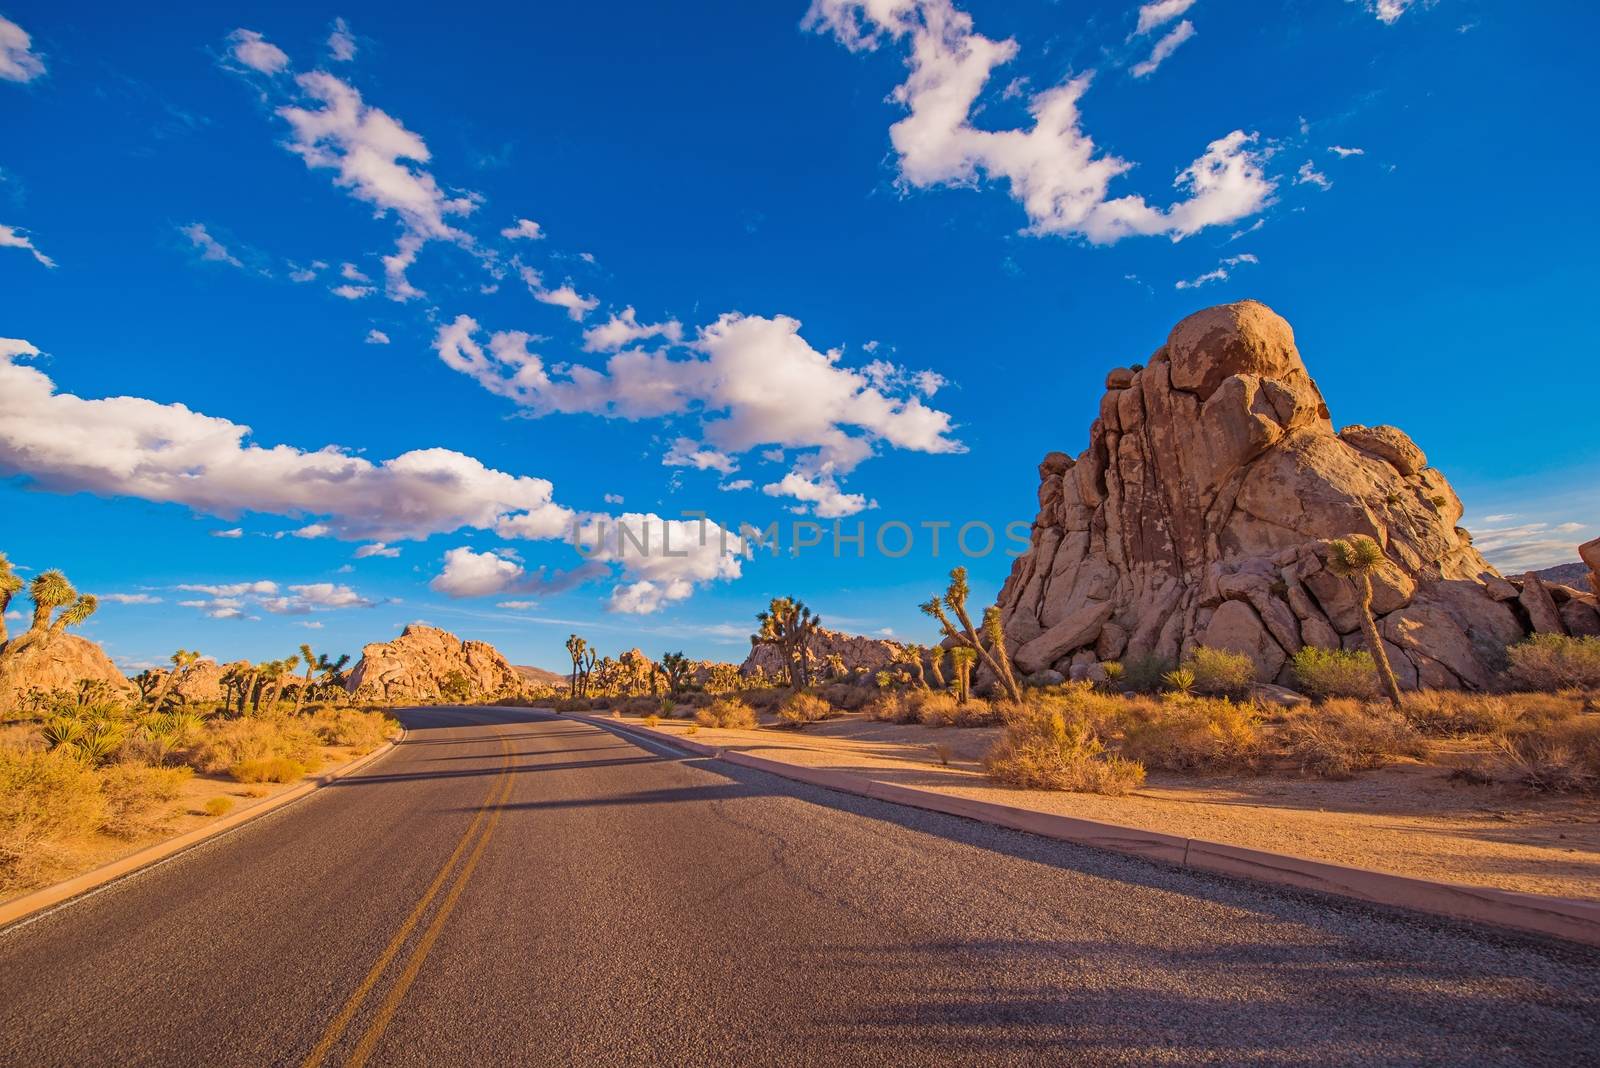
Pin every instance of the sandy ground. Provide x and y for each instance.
(188, 813)
(1410, 819)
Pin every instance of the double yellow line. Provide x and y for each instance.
(488, 815)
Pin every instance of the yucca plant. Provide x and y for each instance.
(1179, 680)
(63, 730)
(1356, 558)
(100, 742)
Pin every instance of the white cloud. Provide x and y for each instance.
(471, 574)
(523, 230)
(313, 530)
(517, 606)
(1527, 546)
(210, 248)
(256, 52)
(750, 381)
(18, 61)
(1052, 167)
(350, 272)
(341, 42)
(821, 492)
(1159, 13)
(1345, 153)
(130, 598)
(736, 485)
(613, 498)
(377, 337)
(1163, 49)
(1220, 273)
(377, 548)
(232, 532)
(378, 161)
(644, 597)
(1388, 10)
(1309, 175)
(566, 297)
(350, 292)
(12, 238)
(624, 329)
(686, 452)
(258, 588)
(309, 624)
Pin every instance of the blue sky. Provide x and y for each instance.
(861, 291)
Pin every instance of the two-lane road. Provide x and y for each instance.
(507, 888)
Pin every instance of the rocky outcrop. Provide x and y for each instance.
(1589, 553)
(1200, 515)
(60, 662)
(429, 664)
(201, 684)
(857, 652)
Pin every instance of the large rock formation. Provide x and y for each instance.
(59, 662)
(429, 664)
(1200, 514)
(856, 651)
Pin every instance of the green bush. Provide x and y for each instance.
(1554, 662)
(1219, 672)
(1323, 673)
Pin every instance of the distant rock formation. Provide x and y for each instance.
(1200, 514)
(429, 664)
(854, 650)
(60, 662)
(536, 676)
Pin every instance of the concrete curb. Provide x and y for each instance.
(1556, 917)
(50, 896)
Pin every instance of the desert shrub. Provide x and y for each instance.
(1143, 673)
(802, 708)
(1193, 734)
(1457, 712)
(1049, 749)
(1341, 737)
(268, 769)
(890, 707)
(845, 697)
(1324, 673)
(1179, 680)
(728, 712)
(764, 698)
(230, 743)
(139, 798)
(1554, 662)
(48, 801)
(1219, 672)
(936, 709)
(218, 806)
(361, 731)
(1562, 756)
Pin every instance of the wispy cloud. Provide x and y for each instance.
(18, 61)
(13, 238)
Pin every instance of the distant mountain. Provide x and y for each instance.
(539, 676)
(1575, 574)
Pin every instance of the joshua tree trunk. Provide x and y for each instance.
(936, 667)
(1369, 630)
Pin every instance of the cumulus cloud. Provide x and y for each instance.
(686, 452)
(13, 238)
(256, 52)
(736, 485)
(209, 247)
(472, 574)
(523, 230)
(564, 296)
(234, 600)
(352, 292)
(18, 61)
(377, 337)
(1159, 13)
(1220, 273)
(748, 380)
(341, 42)
(1163, 49)
(1053, 167)
(821, 492)
(623, 329)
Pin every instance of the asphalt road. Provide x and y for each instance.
(510, 889)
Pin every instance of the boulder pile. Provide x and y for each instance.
(1201, 511)
(429, 664)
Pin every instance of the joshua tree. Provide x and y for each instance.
(836, 669)
(1356, 558)
(788, 625)
(936, 666)
(9, 585)
(182, 661)
(911, 657)
(315, 665)
(963, 657)
(994, 653)
(578, 649)
(675, 666)
(49, 591)
(330, 679)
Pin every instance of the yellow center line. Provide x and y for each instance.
(337, 1027)
(397, 993)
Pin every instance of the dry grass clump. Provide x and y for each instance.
(1051, 749)
(1323, 673)
(361, 731)
(218, 806)
(891, 706)
(845, 697)
(257, 741)
(268, 769)
(1220, 673)
(1341, 737)
(140, 798)
(764, 698)
(1193, 734)
(1554, 662)
(49, 802)
(802, 708)
(727, 712)
(1562, 757)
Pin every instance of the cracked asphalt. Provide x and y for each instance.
(510, 888)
